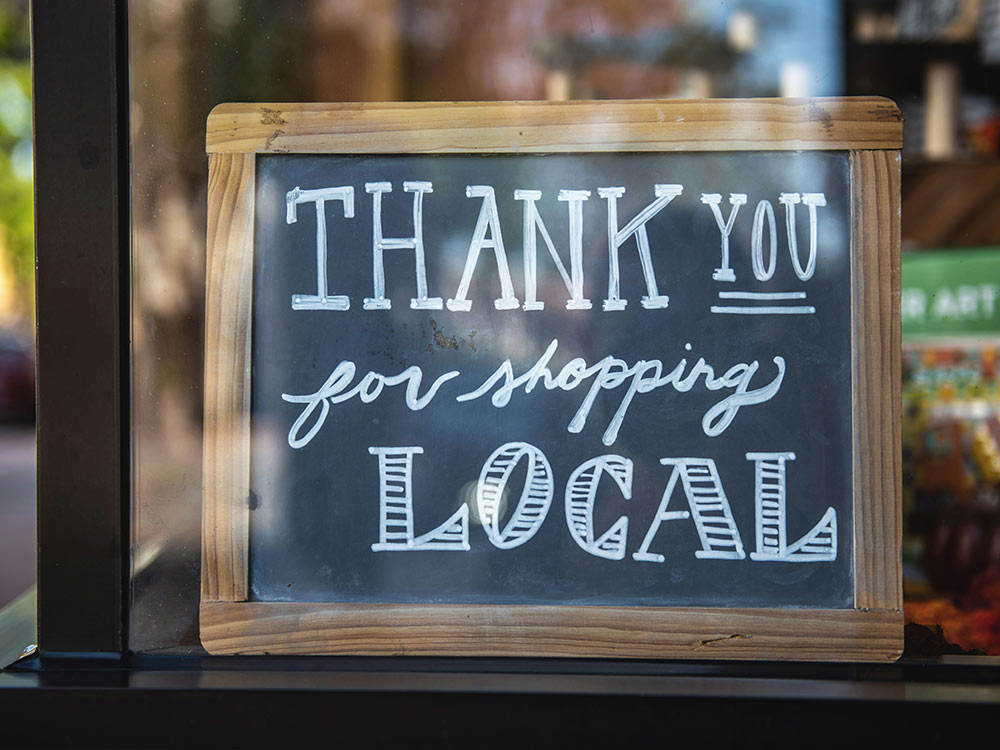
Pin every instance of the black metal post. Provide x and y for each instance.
(79, 77)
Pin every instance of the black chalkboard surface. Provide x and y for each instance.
(768, 413)
(584, 379)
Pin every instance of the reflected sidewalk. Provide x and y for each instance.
(17, 510)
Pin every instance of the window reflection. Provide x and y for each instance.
(188, 56)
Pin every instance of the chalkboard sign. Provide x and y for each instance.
(553, 379)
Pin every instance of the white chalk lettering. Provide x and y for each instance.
(712, 200)
(395, 515)
(533, 225)
(488, 220)
(333, 391)
(643, 377)
(760, 271)
(709, 506)
(819, 544)
(616, 238)
(764, 309)
(581, 492)
(322, 300)
(535, 499)
(813, 200)
(381, 243)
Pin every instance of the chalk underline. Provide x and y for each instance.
(762, 295)
(790, 310)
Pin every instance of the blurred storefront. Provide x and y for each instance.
(939, 60)
(951, 444)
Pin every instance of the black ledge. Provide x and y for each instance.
(418, 702)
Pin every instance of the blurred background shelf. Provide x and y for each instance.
(940, 61)
(951, 203)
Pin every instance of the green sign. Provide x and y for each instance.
(952, 292)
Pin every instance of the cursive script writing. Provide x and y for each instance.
(607, 374)
(642, 377)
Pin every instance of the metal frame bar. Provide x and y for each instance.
(80, 102)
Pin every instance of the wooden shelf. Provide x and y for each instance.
(951, 203)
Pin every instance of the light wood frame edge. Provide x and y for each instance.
(876, 404)
(549, 631)
(228, 315)
(840, 124)
(870, 632)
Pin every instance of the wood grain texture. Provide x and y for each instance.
(877, 380)
(553, 631)
(513, 127)
(226, 479)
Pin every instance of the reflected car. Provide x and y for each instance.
(17, 379)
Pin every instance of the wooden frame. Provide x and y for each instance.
(869, 128)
